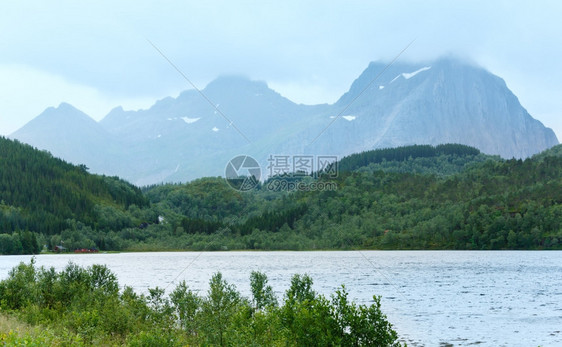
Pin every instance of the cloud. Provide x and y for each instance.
(309, 51)
(307, 92)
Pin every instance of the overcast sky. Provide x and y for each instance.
(95, 55)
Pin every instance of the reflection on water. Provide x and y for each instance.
(431, 297)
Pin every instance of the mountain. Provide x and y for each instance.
(185, 137)
(194, 135)
(69, 133)
(444, 102)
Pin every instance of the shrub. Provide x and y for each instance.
(85, 305)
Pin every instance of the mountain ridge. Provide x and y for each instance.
(182, 138)
(74, 127)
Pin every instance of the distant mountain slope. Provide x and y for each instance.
(179, 139)
(70, 134)
(46, 195)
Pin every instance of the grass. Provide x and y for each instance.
(9, 323)
(14, 332)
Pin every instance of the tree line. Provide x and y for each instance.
(415, 197)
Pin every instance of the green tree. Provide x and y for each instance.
(262, 294)
(218, 309)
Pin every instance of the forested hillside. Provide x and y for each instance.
(42, 197)
(462, 199)
(441, 160)
(417, 197)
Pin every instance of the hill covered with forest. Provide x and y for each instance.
(44, 199)
(415, 197)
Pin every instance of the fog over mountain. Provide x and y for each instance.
(178, 139)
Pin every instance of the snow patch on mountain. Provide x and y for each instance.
(408, 75)
(190, 120)
(412, 74)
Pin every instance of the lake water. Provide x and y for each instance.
(432, 298)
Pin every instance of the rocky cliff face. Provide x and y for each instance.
(443, 102)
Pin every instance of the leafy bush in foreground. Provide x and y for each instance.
(88, 306)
